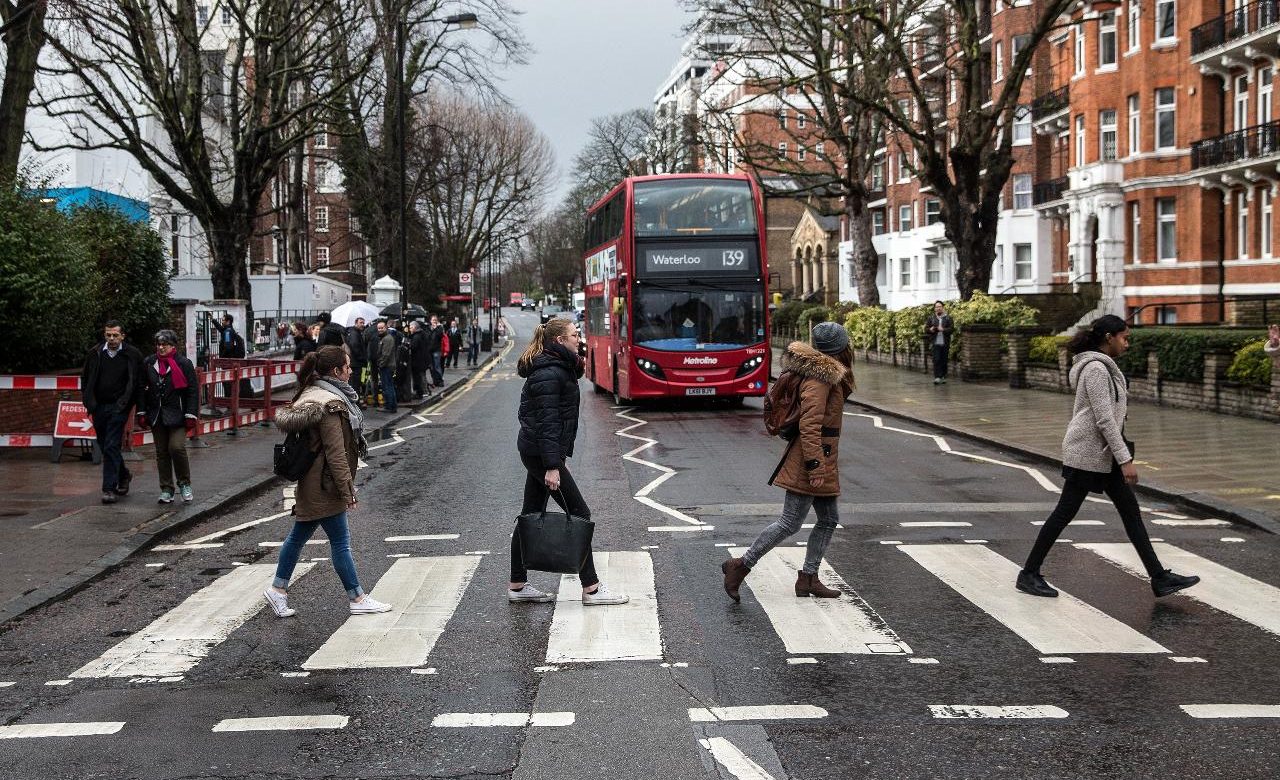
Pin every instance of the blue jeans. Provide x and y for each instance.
(473, 353)
(335, 527)
(437, 368)
(794, 508)
(108, 428)
(388, 388)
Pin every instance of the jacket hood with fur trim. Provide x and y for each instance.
(307, 411)
(802, 359)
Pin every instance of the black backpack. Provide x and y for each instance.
(293, 458)
(782, 407)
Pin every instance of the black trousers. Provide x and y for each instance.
(535, 500)
(940, 357)
(1073, 495)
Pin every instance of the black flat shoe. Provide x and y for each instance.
(1166, 583)
(1035, 585)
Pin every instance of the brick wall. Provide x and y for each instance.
(31, 411)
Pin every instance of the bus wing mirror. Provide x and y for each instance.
(622, 282)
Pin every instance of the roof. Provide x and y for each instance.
(68, 199)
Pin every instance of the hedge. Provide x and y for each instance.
(1044, 349)
(866, 325)
(1251, 366)
(786, 316)
(1181, 349)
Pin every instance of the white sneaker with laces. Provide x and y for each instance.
(279, 603)
(603, 596)
(529, 593)
(368, 606)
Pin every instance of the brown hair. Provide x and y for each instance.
(320, 363)
(544, 335)
(845, 356)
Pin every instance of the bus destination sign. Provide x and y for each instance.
(722, 258)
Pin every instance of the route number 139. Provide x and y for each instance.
(732, 258)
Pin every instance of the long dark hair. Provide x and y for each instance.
(1095, 334)
(320, 363)
(544, 336)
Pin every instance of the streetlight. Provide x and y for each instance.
(275, 244)
(464, 21)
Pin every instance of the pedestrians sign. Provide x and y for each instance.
(73, 421)
(464, 283)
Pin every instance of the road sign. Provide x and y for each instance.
(73, 421)
(464, 283)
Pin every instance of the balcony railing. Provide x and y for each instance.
(1235, 24)
(1239, 146)
(1051, 103)
(1049, 191)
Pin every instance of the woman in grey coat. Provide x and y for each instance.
(1097, 458)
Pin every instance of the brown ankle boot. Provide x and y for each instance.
(735, 571)
(810, 585)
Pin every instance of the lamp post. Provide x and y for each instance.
(275, 247)
(463, 22)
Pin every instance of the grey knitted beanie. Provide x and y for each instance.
(830, 338)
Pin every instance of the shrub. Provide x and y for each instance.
(1181, 349)
(866, 324)
(812, 316)
(1251, 366)
(786, 316)
(908, 327)
(1044, 349)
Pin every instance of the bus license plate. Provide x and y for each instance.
(699, 391)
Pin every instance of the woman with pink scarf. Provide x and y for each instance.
(168, 403)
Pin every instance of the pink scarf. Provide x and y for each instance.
(176, 376)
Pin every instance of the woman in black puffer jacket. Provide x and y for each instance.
(548, 425)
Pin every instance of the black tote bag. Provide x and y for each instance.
(554, 541)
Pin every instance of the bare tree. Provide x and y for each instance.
(22, 30)
(618, 146)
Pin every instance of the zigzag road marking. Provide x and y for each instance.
(642, 495)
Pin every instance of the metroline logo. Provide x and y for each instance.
(700, 361)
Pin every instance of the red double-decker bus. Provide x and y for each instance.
(676, 276)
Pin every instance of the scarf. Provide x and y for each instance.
(348, 394)
(176, 376)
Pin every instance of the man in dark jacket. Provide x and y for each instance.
(168, 403)
(420, 360)
(355, 341)
(435, 347)
(473, 343)
(937, 334)
(331, 333)
(109, 387)
(455, 343)
(386, 363)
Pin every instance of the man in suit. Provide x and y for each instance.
(109, 387)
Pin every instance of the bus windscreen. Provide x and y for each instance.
(693, 207)
(679, 317)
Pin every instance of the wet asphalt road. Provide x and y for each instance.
(459, 474)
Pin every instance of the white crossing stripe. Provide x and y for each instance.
(454, 720)
(760, 712)
(1183, 521)
(241, 527)
(424, 593)
(621, 632)
(1232, 710)
(283, 723)
(421, 538)
(733, 760)
(1062, 626)
(175, 547)
(936, 524)
(808, 626)
(276, 544)
(86, 729)
(1219, 587)
(1074, 522)
(682, 528)
(989, 711)
(180, 638)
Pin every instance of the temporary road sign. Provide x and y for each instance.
(73, 421)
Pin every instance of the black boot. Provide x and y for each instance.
(1166, 582)
(1033, 583)
(735, 571)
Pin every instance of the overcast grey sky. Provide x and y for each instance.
(591, 58)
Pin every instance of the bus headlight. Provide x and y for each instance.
(651, 368)
(751, 365)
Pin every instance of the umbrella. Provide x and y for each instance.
(393, 310)
(345, 315)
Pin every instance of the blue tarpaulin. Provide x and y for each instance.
(69, 199)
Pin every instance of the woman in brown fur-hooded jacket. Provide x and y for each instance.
(810, 467)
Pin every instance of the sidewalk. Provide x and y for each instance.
(1214, 463)
(56, 535)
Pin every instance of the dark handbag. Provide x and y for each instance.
(554, 541)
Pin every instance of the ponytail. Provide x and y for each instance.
(542, 336)
(1095, 334)
(320, 363)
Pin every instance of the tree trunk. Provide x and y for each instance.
(974, 239)
(229, 244)
(865, 259)
(295, 213)
(22, 42)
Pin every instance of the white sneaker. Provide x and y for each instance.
(529, 593)
(368, 606)
(603, 596)
(279, 603)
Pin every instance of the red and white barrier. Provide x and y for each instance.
(29, 382)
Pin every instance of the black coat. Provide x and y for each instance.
(434, 337)
(89, 379)
(358, 346)
(303, 346)
(931, 327)
(419, 346)
(549, 406)
(164, 404)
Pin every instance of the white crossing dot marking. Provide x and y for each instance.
(1221, 588)
(85, 729)
(318, 560)
(283, 723)
(760, 712)
(807, 626)
(424, 592)
(802, 660)
(1065, 625)
(1232, 710)
(734, 760)
(989, 711)
(1231, 539)
(922, 660)
(681, 528)
(974, 541)
(1057, 659)
(59, 682)
(295, 674)
(183, 636)
(154, 565)
(7, 684)
(728, 544)
(648, 547)
(676, 665)
(399, 555)
(421, 538)
(281, 543)
(1187, 659)
(890, 541)
(477, 552)
(1182, 521)
(839, 526)
(238, 563)
(428, 670)
(623, 632)
(176, 547)
(1074, 522)
(936, 524)
(546, 668)
(455, 720)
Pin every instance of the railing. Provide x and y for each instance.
(1051, 103)
(1049, 191)
(1249, 143)
(1253, 17)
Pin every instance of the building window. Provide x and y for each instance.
(1265, 222)
(1165, 132)
(1166, 229)
(202, 15)
(1107, 39)
(1135, 232)
(782, 150)
(800, 120)
(782, 118)
(1135, 126)
(932, 268)
(904, 273)
(1022, 125)
(1021, 191)
(904, 173)
(820, 149)
(800, 152)
(1079, 140)
(1020, 42)
(999, 264)
(877, 222)
(1240, 116)
(904, 218)
(173, 242)
(227, 18)
(1107, 133)
(322, 140)
(1079, 51)
(1135, 25)
(322, 219)
(932, 211)
(1166, 315)
(999, 61)
(877, 175)
(1166, 20)
(1242, 225)
(1022, 262)
(322, 257)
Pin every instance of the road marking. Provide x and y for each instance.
(1221, 588)
(59, 682)
(1187, 659)
(618, 632)
(295, 674)
(974, 541)
(839, 526)
(1057, 659)
(400, 555)
(761, 712)
(1232, 710)
(421, 538)
(1062, 626)
(988, 711)
(808, 626)
(936, 524)
(680, 528)
(642, 495)
(802, 660)
(154, 565)
(1182, 521)
(180, 638)
(1231, 539)
(922, 660)
(241, 527)
(424, 593)
(890, 541)
(281, 544)
(175, 547)
(1074, 522)
(734, 761)
(428, 670)
(7, 684)
(85, 729)
(283, 723)
(454, 720)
